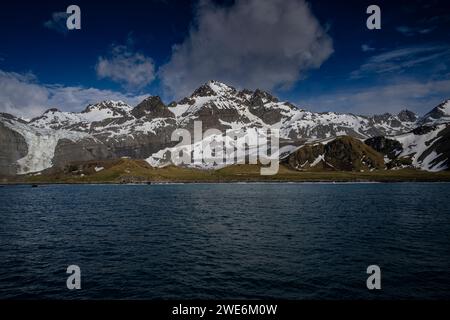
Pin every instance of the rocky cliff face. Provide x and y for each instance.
(113, 129)
(88, 149)
(389, 147)
(13, 147)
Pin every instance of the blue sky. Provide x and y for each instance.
(316, 54)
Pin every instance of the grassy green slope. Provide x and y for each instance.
(138, 171)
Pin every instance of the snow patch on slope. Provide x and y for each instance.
(163, 157)
(415, 145)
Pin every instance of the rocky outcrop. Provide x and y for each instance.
(68, 151)
(389, 147)
(343, 154)
(152, 108)
(12, 148)
(260, 106)
(407, 116)
(141, 145)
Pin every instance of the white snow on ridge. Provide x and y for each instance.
(179, 109)
(439, 115)
(99, 115)
(105, 110)
(294, 123)
(56, 119)
(151, 126)
(426, 164)
(318, 160)
(445, 108)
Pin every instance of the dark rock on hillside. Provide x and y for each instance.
(257, 106)
(386, 118)
(186, 100)
(141, 145)
(213, 117)
(389, 147)
(8, 116)
(407, 116)
(203, 91)
(350, 154)
(152, 108)
(85, 150)
(260, 95)
(344, 153)
(13, 148)
(423, 130)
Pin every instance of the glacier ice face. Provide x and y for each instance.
(41, 145)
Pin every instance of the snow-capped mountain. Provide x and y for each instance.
(220, 106)
(440, 114)
(113, 129)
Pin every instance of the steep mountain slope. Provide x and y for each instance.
(426, 147)
(13, 148)
(440, 114)
(342, 154)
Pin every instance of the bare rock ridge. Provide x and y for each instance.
(153, 108)
(113, 129)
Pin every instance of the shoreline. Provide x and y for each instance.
(156, 183)
(138, 172)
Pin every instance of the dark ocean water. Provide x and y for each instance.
(285, 241)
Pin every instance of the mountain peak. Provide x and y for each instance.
(264, 95)
(445, 107)
(439, 114)
(212, 88)
(52, 110)
(219, 87)
(407, 116)
(153, 107)
(107, 104)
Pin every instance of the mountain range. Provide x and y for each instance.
(311, 141)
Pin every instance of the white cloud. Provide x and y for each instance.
(408, 31)
(253, 43)
(367, 48)
(403, 59)
(131, 69)
(58, 22)
(418, 96)
(22, 95)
